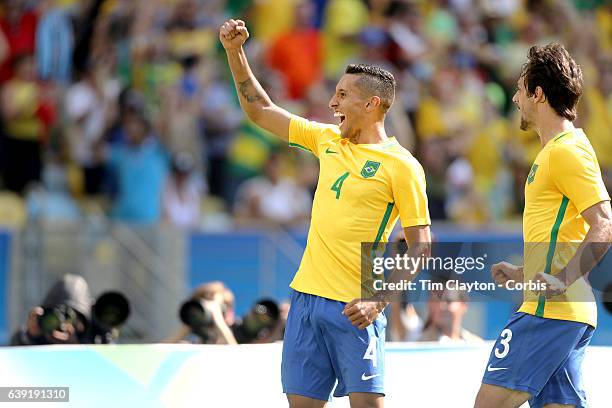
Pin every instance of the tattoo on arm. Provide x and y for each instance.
(248, 91)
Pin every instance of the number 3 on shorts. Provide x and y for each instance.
(506, 336)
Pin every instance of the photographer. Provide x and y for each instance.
(69, 315)
(68, 303)
(210, 314)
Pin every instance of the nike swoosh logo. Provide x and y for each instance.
(330, 151)
(489, 368)
(368, 377)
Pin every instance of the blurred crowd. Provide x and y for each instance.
(126, 107)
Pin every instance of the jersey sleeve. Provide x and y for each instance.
(408, 185)
(576, 173)
(309, 135)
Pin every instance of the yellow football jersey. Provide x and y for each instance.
(565, 180)
(361, 192)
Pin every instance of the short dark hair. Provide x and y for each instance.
(560, 77)
(376, 81)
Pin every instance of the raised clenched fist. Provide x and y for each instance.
(233, 33)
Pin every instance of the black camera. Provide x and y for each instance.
(259, 321)
(195, 314)
(262, 317)
(69, 304)
(55, 318)
(109, 312)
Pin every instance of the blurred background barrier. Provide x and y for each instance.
(176, 376)
(157, 268)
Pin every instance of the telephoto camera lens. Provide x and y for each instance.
(111, 310)
(257, 322)
(195, 315)
(53, 318)
(264, 315)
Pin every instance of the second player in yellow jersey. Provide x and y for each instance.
(564, 180)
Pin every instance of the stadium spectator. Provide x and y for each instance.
(220, 119)
(89, 115)
(51, 201)
(410, 45)
(464, 204)
(18, 35)
(68, 303)
(343, 21)
(375, 50)
(219, 302)
(446, 310)
(140, 165)
(181, 195)
(13, 212)
(297, 55)
(27, 115)
(434, 156)
(406, 324)
(272, 18)
(272, 198)
(54, 43)
(595, 115)
(180, 106)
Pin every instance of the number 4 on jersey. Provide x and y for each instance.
(337, 186)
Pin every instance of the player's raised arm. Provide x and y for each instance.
(254, 101)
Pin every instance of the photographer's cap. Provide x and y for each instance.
(71, 290)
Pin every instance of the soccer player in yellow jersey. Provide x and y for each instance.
(367, 181)
(567, 229)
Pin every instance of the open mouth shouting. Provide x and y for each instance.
(341, 116)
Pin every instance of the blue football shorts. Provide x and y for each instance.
(542, 357)
(322, 347)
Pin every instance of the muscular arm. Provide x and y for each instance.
(418, 239)
(254, 100)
